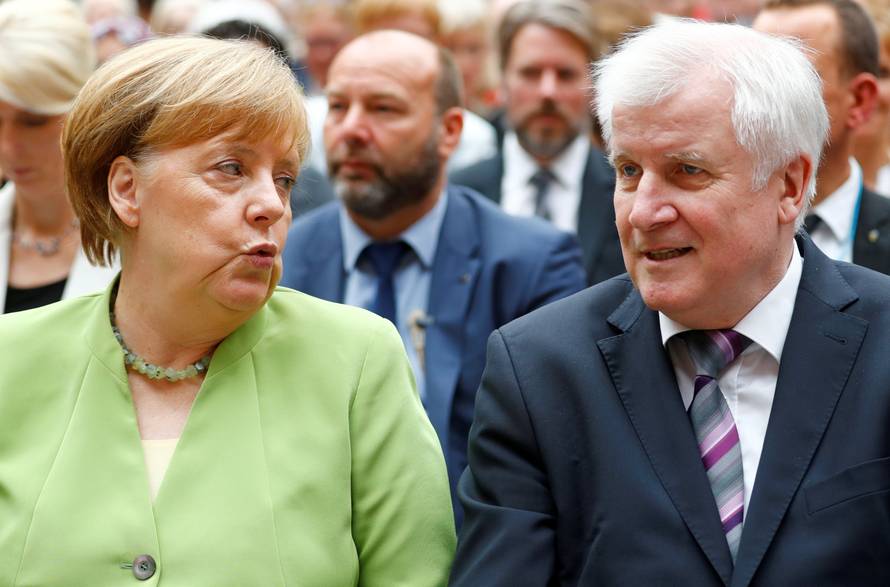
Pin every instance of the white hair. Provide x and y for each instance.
(777, 109)
(46, 54)
(257, 12)
(460, 15)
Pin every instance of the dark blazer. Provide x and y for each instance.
(597, 233)
(584, 468)
(871, 244)
(489, 268)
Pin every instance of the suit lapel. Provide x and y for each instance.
(455, 270)
(655, 408)
(820, 350)
(593, 219)
(872, 240)
(322, 275)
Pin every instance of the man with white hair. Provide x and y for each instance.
(721, 415)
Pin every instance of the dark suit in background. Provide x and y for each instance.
(871, 245)
(596, 214)
(489, 268)
(584, 468)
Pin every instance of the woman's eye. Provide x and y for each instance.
(230, 167)
(285, 182)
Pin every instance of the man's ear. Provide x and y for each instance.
(122, 184)
(863, 90)
(796, 181)
(451, 127)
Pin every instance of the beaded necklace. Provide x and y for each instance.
(143, 367)
(47, 247)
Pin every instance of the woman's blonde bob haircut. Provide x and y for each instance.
(46, 54)
(168, 93)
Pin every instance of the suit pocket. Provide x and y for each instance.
(858, 481)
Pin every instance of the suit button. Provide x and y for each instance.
(144, 567)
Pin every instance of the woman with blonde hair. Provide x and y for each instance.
(46, 55)
(195, 425)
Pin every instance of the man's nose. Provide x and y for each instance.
(652, 206)
(353, 126)
(548, 84)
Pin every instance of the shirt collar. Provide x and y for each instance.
(568, 168)
(767, 323)
(837, 210)
(422, 236)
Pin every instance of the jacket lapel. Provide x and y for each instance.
(455, 270)
(653, 403)
(820, 350)
(322, 274)
(872, 239)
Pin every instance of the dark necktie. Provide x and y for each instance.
(715, 429)
(812, 222)
(385, 258)
(541, 181)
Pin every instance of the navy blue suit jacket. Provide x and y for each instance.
(597, 233)
(489, 268)
(584, 468)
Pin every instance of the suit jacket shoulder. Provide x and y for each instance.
(871, 246)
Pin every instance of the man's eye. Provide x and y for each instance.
(690, 169)
(627, 170)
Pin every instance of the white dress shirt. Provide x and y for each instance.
(882, 184)
(564, 194)
(838, 211)
(749, 382)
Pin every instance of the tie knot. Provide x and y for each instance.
(712, 350)
(542, 178)
(385, 256)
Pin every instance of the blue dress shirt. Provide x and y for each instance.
(411, 280)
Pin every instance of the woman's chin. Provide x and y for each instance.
(244, 296)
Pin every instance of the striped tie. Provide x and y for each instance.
(715, 430)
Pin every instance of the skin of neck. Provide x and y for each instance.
(388, 228)
(42, 214)
(166, 326)
(872, 152)
(833, 172)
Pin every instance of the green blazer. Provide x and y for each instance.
(307, 458)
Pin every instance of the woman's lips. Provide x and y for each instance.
(262, 255)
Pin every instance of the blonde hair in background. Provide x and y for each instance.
(170, 92)
(46, 54)
(370, 12)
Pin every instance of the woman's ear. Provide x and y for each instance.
(122, 184)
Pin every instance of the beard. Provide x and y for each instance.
(548, 142)
(390, 189)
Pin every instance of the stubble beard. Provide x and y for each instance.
(546, 143)
(389, 190)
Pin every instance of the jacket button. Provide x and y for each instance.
(144, 567)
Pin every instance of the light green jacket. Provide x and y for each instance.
(307, 458)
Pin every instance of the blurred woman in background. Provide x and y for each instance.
(46, 55)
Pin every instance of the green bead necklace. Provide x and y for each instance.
(143, 367)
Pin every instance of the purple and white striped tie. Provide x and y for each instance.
(715, 429)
